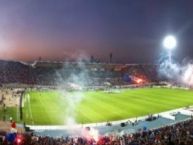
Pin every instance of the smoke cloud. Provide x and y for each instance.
(71, 82)
(178, 73)
(73, 76)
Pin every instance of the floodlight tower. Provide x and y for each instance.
(169, 43)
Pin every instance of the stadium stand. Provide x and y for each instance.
(39, 73)
(178, 134)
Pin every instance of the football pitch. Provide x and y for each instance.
(53, 107)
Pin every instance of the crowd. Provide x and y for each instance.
(178, 134)
(17, 72)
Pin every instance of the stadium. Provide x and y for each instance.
(96, 73)
(96, 99)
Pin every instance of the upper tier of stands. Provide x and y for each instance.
(50, 73)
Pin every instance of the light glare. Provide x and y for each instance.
(169, 42)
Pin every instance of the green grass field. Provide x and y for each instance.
(50, 107)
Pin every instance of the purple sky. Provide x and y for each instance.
(131, 29)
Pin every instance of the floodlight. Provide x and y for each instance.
(169, 42)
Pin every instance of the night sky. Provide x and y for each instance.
(131, 29)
